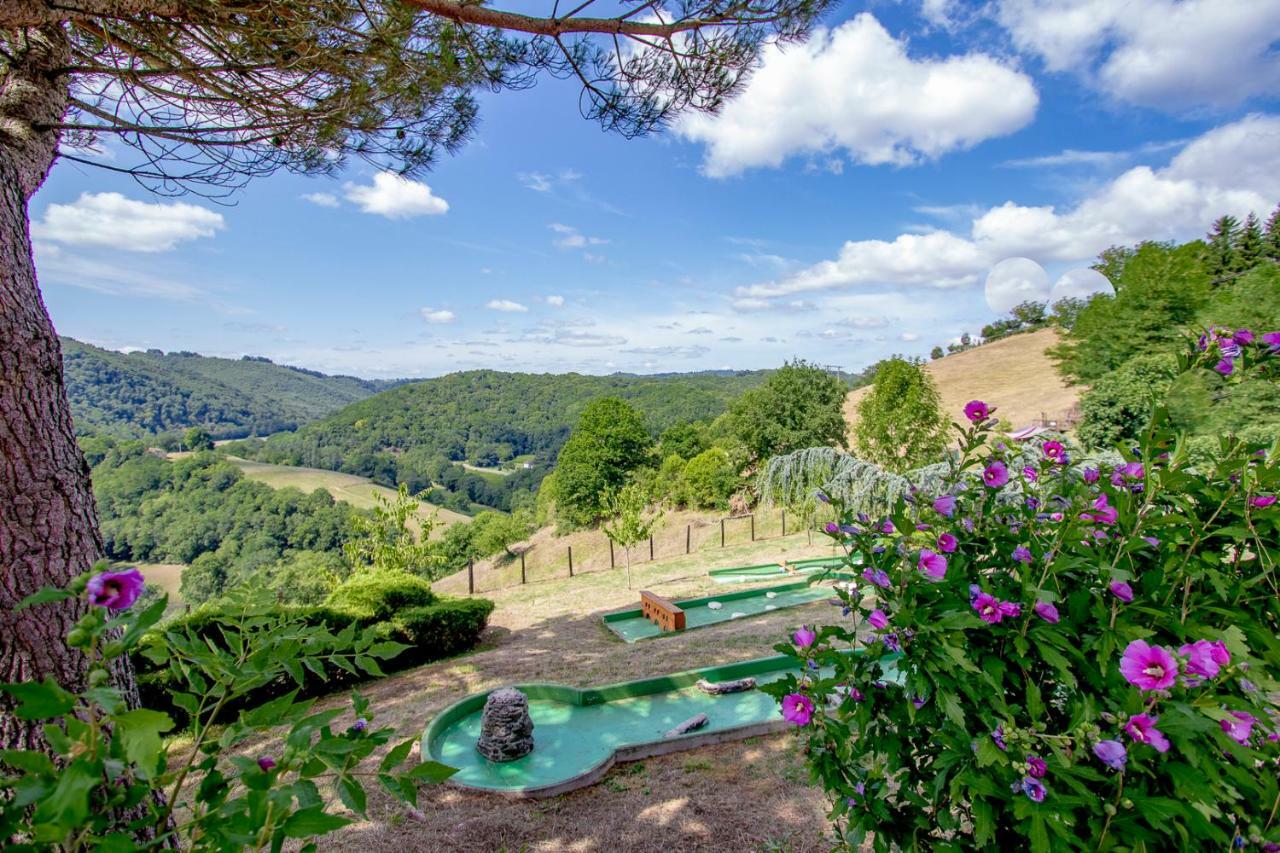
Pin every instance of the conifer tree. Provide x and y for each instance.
(1271, 237)
(1222, 245)
(1249, 246)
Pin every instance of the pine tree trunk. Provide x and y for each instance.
(48, 527)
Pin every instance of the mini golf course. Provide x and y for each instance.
(632, 625)
(765, 571)
(579, 733)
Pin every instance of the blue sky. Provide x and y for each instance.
(861, 197)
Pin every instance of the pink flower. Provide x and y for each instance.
(797, 709)
(1030, 474)
(1102, 512)
(976, 411)
(988, 607)
(878, 619)
(887, 527)
(947, 543)
(995, 475)
(1122, 591)
(1142, 729)
(1047, 612)
(1204, 658)
(944, 505)
(1148, 667)
(804, 637)
(1008, 608)
(933, 565)
(1055, 451)
(1036, 767)
(116, 590)
(1262, 501)
(1241, 728)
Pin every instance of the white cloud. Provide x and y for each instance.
(572, 238)
(506, 305)
(854, 89)
(556, 301)
(1231, 169)
(395, 197)
(1014, 281)
(110, 219)
(321, 199)
(1080, 283)
(1172, 54)
(438, 316)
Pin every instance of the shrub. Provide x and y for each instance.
(709, 479)
(375, 596)
(1119, 404)
(1088, 654)
(448, 627)
(900, 424)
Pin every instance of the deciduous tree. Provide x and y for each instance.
(900, 423)
(800, 405)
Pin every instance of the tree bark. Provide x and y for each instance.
(48, 525)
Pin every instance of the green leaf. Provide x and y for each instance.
(49, 593)
(397, 755)
(139, 732)
(28, 761)
(431, 772)
(40, 701)
(312, 821)
(67, 804)
(351, 792)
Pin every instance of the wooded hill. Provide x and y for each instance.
(152, 392)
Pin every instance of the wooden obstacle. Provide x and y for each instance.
(665, 614)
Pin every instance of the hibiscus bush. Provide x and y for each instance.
(255, 779)
(1059, 654)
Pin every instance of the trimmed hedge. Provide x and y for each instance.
(402, 609)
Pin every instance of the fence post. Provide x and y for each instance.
(650, 547)
(784, 522)
(570, 561)
(522, 578)
(753, 527)
(471, 577)
(612, 564)
(688, 538)
(722, 533)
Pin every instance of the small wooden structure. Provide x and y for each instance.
(665, 614)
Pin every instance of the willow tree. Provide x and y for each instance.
(207, 94)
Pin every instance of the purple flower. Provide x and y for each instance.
(974, 592)
(1102, 512)
(116, 590)
(877, 577)
(804, 637)
(1204, 658)
(1272, 340)
(976, 411)
(1240, 729)
(1111, 753)
(891, 642)
(919, 701)
(1122, 591)
(1055, 451)
(997, 735)
(1262, 501)
(995, 475)
(1243, 337)
(1008, 608)
(822, 496)
(797, 709)
(267, 763)
(1225, 366)
(832, 528)
(1036, 766)
(1030, 474)
(933, 565)
(1132, 471)
(1022, 554)
(1141, 728)
(1047, 612)
(1152, 541)
(947, 543)
(945, 505)
(988, 607)
(878, 619)
(1091, 475)
(1148, 667)
(359, 725)
(1032, 787)
(887, 527)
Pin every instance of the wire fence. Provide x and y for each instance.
(592, 551)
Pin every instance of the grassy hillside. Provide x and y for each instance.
(357, 491)
(1015, 374)
(144, 393)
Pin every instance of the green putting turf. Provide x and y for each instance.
(765, 571)
(630, 625)
(579, 733)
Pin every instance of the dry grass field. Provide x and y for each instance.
(1015, 374)
(746, 796)
(167, 576)
(357, 491)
